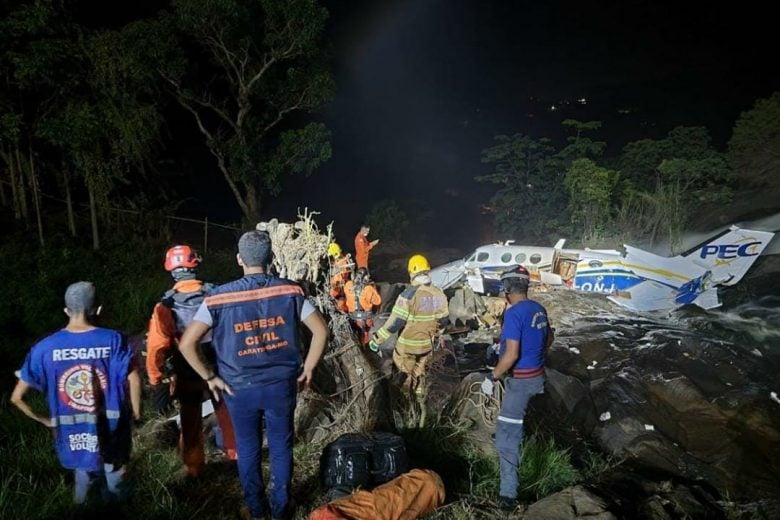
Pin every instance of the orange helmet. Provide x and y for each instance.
(181, 256)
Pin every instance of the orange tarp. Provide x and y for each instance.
(406, 497)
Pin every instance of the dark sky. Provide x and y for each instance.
(424, 85)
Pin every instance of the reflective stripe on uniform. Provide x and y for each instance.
(83, 418)
(256, 294)
(509, 420)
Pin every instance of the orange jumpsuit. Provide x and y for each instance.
(362, 247)
(161, 342)
(362, 315)
(340, 273)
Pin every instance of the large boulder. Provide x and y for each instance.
(570, 504)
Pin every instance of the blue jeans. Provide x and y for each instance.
(248, 407)
(509, 429)
(111, 481)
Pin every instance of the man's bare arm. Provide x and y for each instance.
(508, 360)
(17, 398)
(319, 339)
(134, 380)
(188, 346)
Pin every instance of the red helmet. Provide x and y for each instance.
(181, 256)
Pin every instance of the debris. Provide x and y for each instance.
(592, 365)
(649, 427)
(606, 416)
(574, 350)
(773, 397)
(756, 352)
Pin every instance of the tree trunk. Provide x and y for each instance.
(69, 201)
(9, 161)
(93, 218)
(252, 213)
(36, 198)
(3, 197)
(21, 188)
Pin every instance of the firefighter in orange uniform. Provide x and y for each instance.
(362, 301)
(340, 271)
(363, 246)
(164, 361)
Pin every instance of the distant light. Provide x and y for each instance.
(582, 101)
(553, 108)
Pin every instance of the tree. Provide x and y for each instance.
(590, 195)
(388, 220)
(256, 63)
(754, 147)
(530, 200)
(579, 145)
(667, 179)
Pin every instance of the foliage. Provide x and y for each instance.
(530, 198)
(754, 147)
(590, 189)
(668, 179)
(388, 220)
(248, 65)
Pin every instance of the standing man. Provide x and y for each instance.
(93, 391)
(255, 322)
(169, 319)
(525, 337)
(419, 313)
(363, 246)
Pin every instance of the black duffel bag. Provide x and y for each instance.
(388, 457)
(355, 460)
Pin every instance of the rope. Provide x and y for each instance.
(488, 405)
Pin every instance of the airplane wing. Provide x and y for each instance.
(447, 275)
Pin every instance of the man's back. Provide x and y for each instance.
(422, 306)
(255, 326)
(82, 375)
(527, 322)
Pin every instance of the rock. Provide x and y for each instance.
(570, 503)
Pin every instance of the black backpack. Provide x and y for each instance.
(361, 461)
(185, 305)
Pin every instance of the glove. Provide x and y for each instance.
(162, 401)
(373, 345)
(487, 386)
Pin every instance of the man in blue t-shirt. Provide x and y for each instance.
(525, 337)
(86, 374)
(255, 322)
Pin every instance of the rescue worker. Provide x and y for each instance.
(419, 313)
(363, 246)
(525, 337)
(255, 325)
(92, 388)
(169, 319)
(362, 301)
(340, 271)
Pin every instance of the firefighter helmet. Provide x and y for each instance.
(181, 257)
(418, 264)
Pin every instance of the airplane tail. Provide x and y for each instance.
(730, 254)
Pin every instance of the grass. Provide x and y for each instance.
(130, 279)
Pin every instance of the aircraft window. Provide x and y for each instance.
(520, 258)
(536, 258)
(506, 258)
(482, 257)
(471, 258)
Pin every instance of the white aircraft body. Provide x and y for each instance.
(635, 279)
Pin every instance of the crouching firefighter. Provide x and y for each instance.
(362, 301)
(340, 271)
(169, 374)
(419, 313)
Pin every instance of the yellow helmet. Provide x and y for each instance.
(334, 250)
(418, 264)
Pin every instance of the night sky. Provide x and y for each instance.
(424, 85)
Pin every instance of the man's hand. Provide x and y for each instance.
(304, 380)
(373, 345)
(217, 386)
(487, 386)
(374, 242)
(46, 421)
